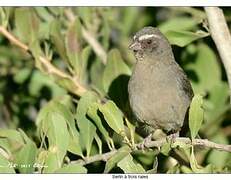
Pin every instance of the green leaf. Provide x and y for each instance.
(57, 134)
(72, 168)
(197, 168)
(74, 144)
(196, 115)
(177, 24)
(186, 170)
(96, 76)
(183, 38)
(93, 114)
(22, 75)
(113, 116)
(120, 154)
(57, 11)
(57, 39)
(11, 140)
(166, 148)
(154, 167)
(4, 165)
(85, 54)
(174, 170)
(44, 14)
(129, 166)
(129, 19)
(105, 33)
(25, 158)
(99, 143)
(206, 68)
(52, 161)
(218, 158)
(114, 68)
(52, 121)
(39, 80)
(115, 78)
(131, 129)
(74, 46)
(217, 103)
(86, 127)
(86, 15)
(65, 106)
(27, 24)
(5, 15)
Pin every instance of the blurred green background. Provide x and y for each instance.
(26, 86)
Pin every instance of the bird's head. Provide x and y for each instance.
(148, 42)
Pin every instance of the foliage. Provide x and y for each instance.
(58, 112)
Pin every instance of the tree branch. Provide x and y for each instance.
(158, 143)
(98, 49)
(220, 33)
(51, 69)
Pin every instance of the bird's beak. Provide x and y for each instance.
(135, 46)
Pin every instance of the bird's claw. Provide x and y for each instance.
(145, 142)
(172, 137)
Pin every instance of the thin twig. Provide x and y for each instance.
(195, 142)
(51, 69)
(157, 144)
(220, 33)
(96, 46)
(12, 39)
(98, 157)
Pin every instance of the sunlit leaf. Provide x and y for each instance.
(119, 155)
(218, 158)
(206, 68)
(52, 122)
(196, 115)
(5, 165)
(183, 38)
(27, 24)
(115, 78)
(74, 46)
(86, 127)
(128, 165)
(113, 116)
(22, 75)
(217, 103)
(58, 39)
(72, 168)
(196, 167)
(165, 149)
(129, 18)
(93, 114)
(99, 143)
(44, 13)
(114, 68)
(178, 23)
(25, 158)
(52, 161)
(154, 167)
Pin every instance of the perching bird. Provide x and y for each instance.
(159, 91)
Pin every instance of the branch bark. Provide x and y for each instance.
(51, 69)
(221, 36)
(158, 143)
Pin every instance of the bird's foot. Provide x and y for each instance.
(145, 142)
(172, 137)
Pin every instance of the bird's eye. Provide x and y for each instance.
(149, 41)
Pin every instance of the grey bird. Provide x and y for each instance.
(159, 90)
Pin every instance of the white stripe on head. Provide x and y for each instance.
(147, 36)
